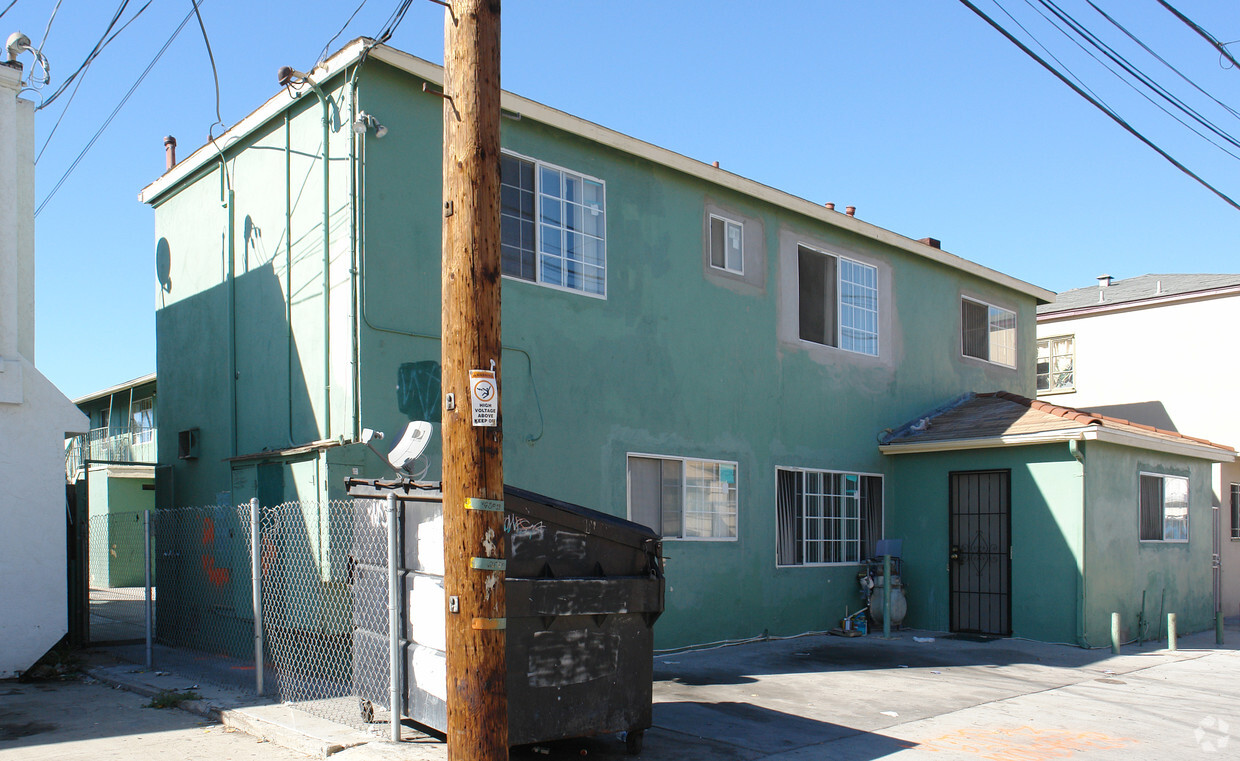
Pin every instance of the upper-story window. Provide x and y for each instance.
(838, 301)
(727, 245)
(553, 226)
(1164, 508)
(988, 332)
(1056, 358)
(142, 425)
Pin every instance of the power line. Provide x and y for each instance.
(214, 74)
(104, 39)
(1104, 109)
(7, 7)
(112, 116)
(82, 79)
(1222, 49)
(339, 32)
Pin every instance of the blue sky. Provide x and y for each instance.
(915, 112)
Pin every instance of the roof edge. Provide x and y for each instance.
(139, 381)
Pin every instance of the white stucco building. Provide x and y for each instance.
(1155, 350)
(35, 417)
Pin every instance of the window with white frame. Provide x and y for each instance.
(1164, 508)
(827, 516)
(1235, 511)
(727, 245)
(837, 301)
(1056, 358)
(682, 498)
(988, 332)
(553, 226)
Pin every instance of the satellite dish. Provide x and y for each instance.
(410, 446)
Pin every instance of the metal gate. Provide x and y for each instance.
(981, 541)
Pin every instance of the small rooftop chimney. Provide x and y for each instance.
(170, 152)
(1104, 281)
(931, 242)
(715, 165)
(830, 205)
(850, 211)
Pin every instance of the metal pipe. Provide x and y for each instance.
(256, 566)
(232, 319)
(393, 619)
(1115, 636)
(1218, 628)
(886, 597)
(150, 649)
(327, 258)
(1171, 633)
(354, 350)
(288, 269)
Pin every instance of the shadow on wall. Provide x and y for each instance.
(1146, 413)
(195, 348)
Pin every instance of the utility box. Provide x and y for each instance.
(583, 590)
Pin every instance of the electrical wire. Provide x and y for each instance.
(214, 74)
(1222, 49)
(393, 21)
(7, 7)
(1162, 60)
(1100, 106)
(336, 36)
(112, 116)
(81, 79)
(94, 53)
(1134, 72)
(47, 29)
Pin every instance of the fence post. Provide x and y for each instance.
(146, 531)
(256, 565)
(393, 618)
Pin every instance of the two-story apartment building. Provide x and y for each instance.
(682, 346)
(1095, 346)
(113, 465)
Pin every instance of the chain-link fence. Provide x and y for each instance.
(324, 605)
(323, 596)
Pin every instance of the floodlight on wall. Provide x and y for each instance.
(365, 121)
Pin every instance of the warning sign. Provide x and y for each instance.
(484, 398)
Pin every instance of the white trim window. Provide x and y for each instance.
(1056, 361)
(837, 301)
(142, 421)
(553, 226)
(727, 247)
(1235, 511)
(683, 498)
(1164, 508)
(987, 332)
(826, 517)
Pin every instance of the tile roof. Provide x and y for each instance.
(1002, 414)
(1137, 289)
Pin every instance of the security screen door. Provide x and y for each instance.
(980, 553)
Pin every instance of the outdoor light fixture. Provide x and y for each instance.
(365, 121)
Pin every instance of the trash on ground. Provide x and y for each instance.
(923, 639)
(892, 714)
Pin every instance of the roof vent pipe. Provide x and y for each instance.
(850, 211)
(830, 205)
(170, 152)
(1104, 281)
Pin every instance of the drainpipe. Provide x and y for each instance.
(232, 314)
(354, 330)
(1082, 632)
(288, 270)
(286, 76)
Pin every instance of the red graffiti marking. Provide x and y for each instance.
(1023, 743)
(218, 577)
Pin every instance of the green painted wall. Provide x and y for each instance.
(116, 535)
(675, 361)
(1120, 567)
(1046, 499)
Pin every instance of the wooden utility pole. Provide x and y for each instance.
(473, 474)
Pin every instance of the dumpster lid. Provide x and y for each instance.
(520, 501)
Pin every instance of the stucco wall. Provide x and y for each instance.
(32, 544)
(1046, 528)
(1174, 577)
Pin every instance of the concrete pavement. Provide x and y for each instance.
(815, 697)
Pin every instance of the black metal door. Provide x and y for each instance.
(980, 552)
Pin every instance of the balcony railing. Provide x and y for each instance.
(111, 445)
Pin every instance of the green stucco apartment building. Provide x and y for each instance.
(682, 346)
